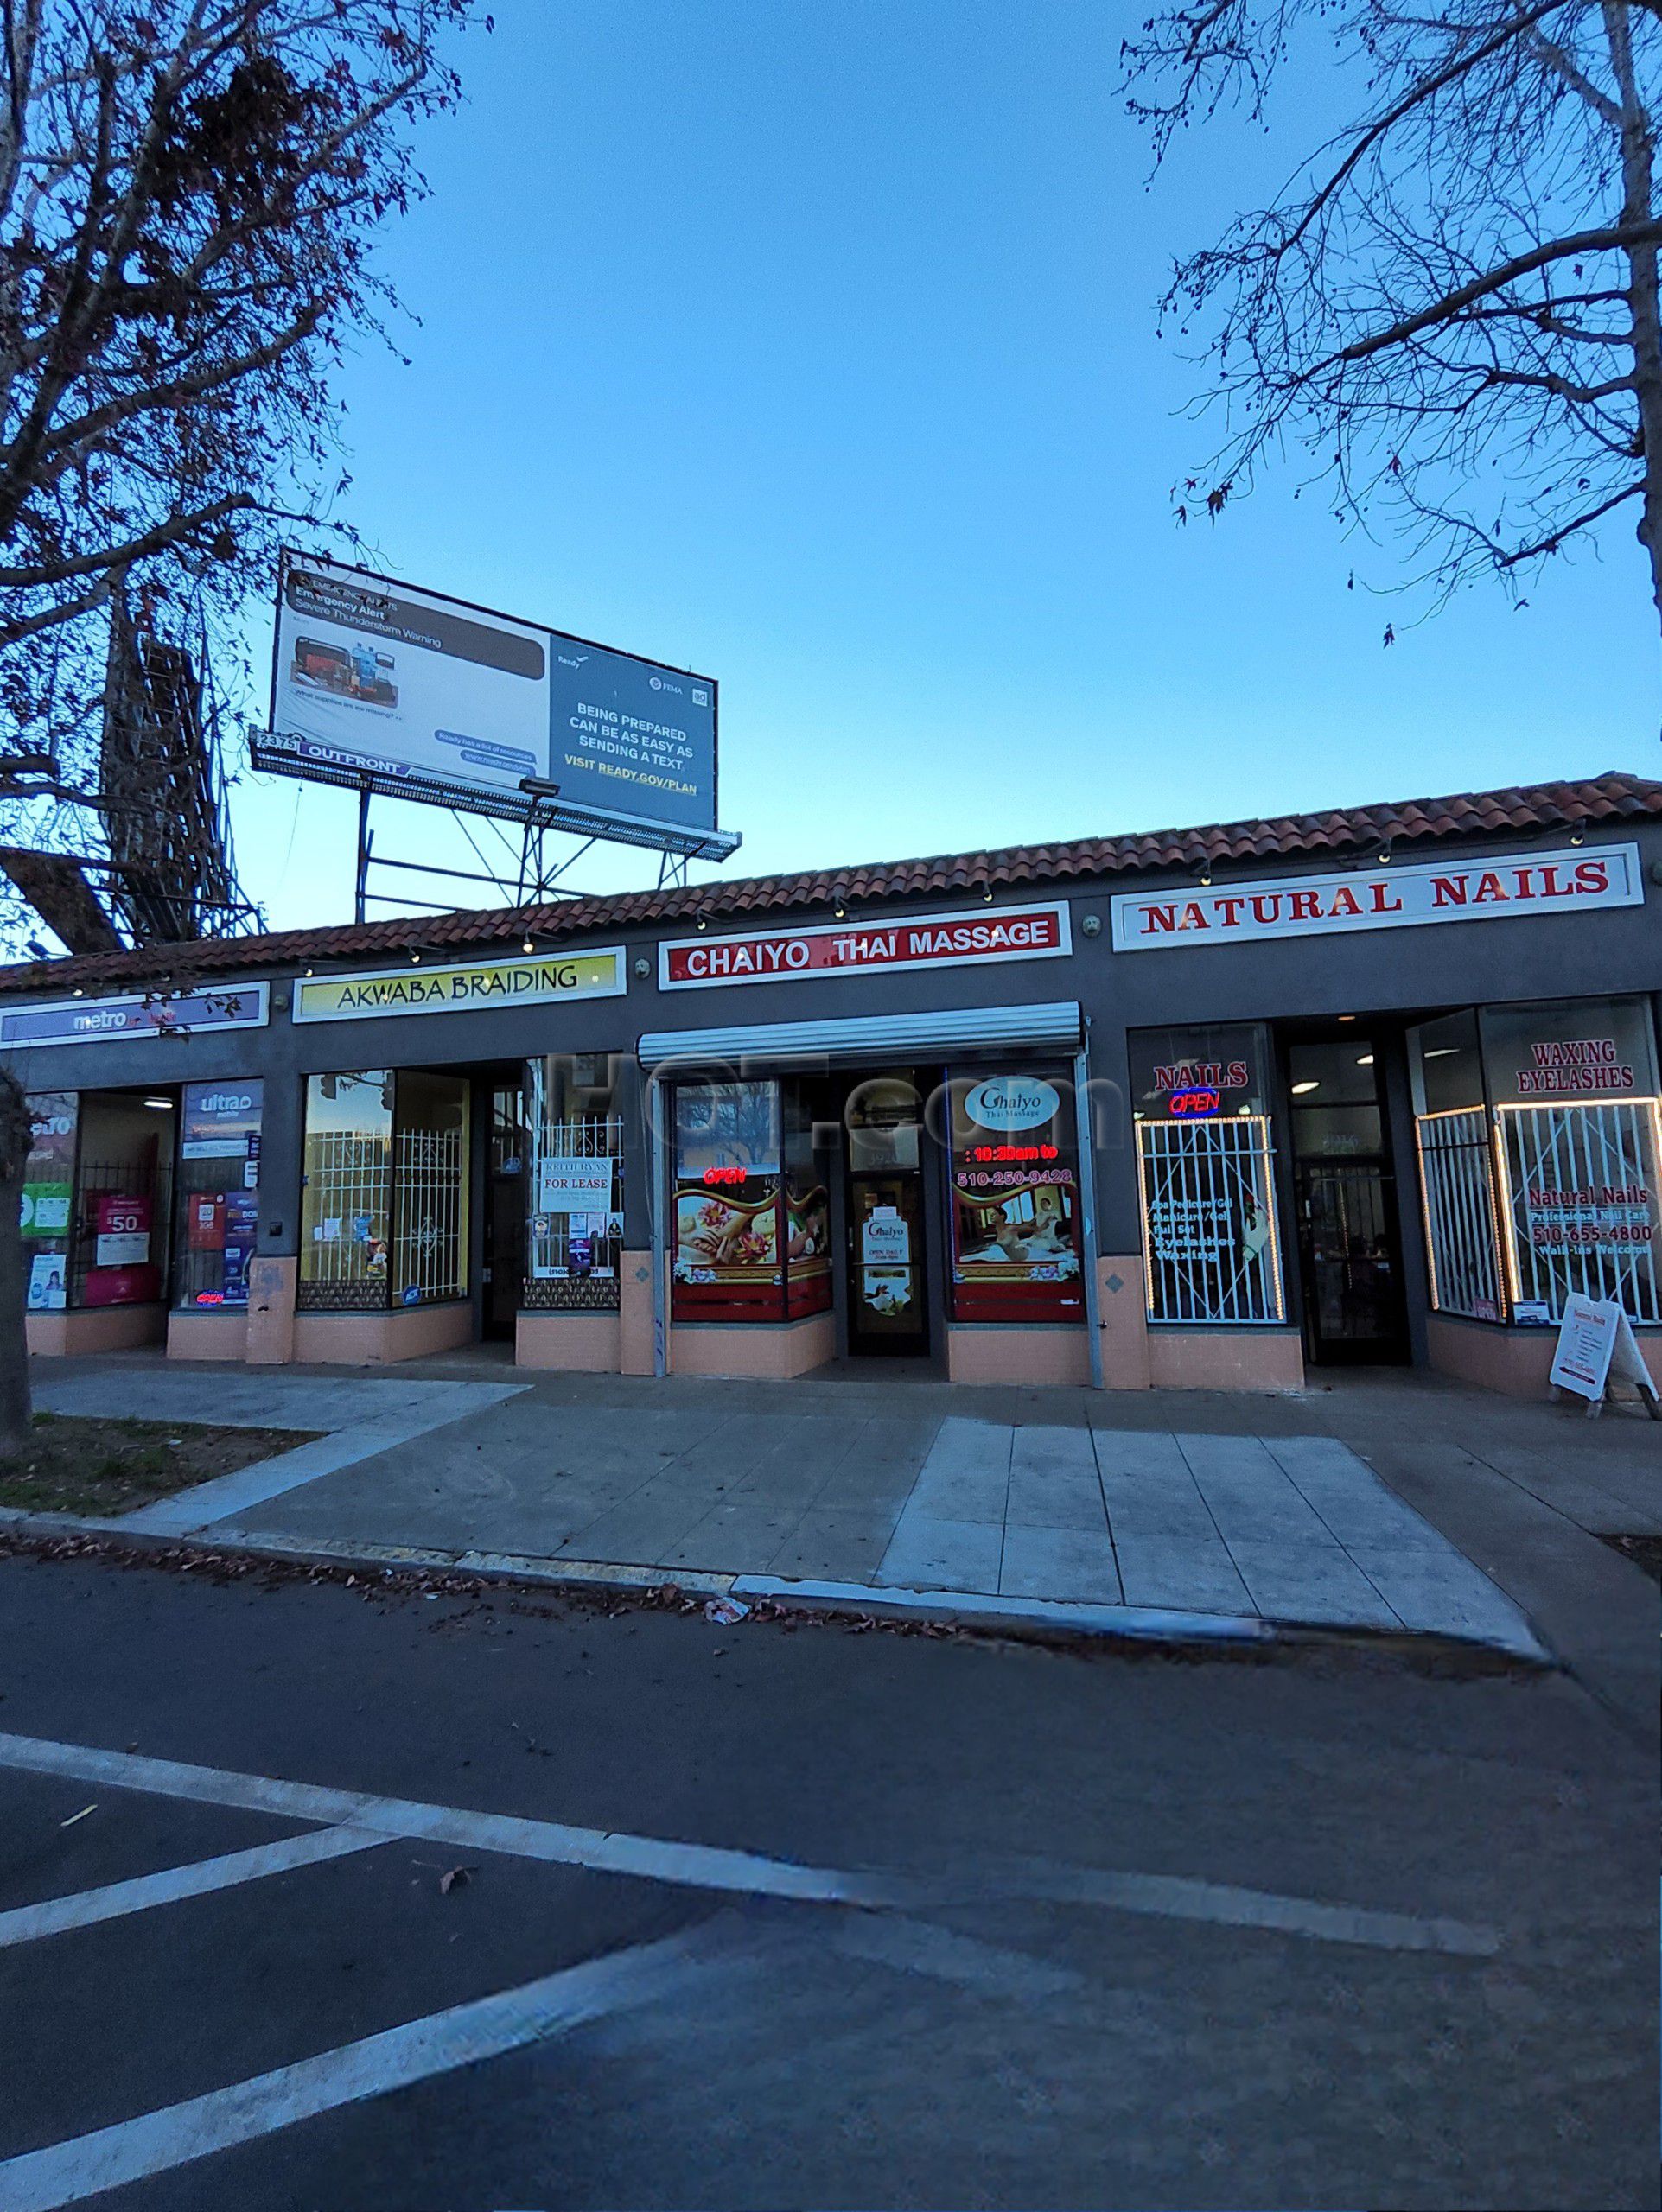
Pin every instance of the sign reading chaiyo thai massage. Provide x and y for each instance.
(157, 1014)
(475, 987)
(977, 939)
(1405, 897)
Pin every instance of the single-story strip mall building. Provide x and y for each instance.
(1204, 1109)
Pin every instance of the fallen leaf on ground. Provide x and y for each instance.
(454, 1880)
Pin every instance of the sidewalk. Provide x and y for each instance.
(1396, 1505)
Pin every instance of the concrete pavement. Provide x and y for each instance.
(911, 1490)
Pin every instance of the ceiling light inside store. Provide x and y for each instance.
(1443, 1052)
(1300, 1088)
(1365, 1060)
(161, 1105)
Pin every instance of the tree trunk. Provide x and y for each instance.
(15, 1137)
(1643, 295)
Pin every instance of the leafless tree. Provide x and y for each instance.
(190, 192)
(15, 1137)
(1451, 307)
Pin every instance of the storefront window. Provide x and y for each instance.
(575, 1191)
(124, 1186)
(346, 1193)
(1206, 1172)
(1574, 1085)
(807, 1210)
(1539, 1145)
(727, 1262)
(1015, 1210)
(218, 1194)
(48, 1195)
(384, 1197)
(1457, 1166)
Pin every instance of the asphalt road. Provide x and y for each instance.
(1399, 1947)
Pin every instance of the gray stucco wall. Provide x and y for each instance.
(1402, 972)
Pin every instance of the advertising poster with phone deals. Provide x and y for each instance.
(123, 1225)
(48, 1178)
(221, 1122)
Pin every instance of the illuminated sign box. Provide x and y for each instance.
(475, 988)
(99, 1021)
(984, 935)
(1575, 881)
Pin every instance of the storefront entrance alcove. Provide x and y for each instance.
(413, 1207)
(883, 1230)
(905, 1188)
(1344, 1197)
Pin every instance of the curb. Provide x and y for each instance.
(1050, 1620)
(1049, 1616)
(576, 1575)
(1031, 1619)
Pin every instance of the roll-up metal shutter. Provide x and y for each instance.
(969, 1029)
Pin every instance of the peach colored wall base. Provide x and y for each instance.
(750, 1349)
(635, 1313)
(376, 1339)
(1058, 1354)
(1516, 1361)
(272, 1310)
(1226, 1359)
(207, 1336)
(1123, 1322)
(103, 1328)
(584, 1343)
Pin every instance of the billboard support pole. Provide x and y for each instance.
(363, 853)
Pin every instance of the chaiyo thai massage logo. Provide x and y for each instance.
(1011, 1101)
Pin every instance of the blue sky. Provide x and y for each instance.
(812, 346)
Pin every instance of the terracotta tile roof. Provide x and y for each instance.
(1609, 799)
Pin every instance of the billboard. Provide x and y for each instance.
(428, 697)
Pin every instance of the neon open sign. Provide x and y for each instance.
(1192, 1104)
(714, 1175)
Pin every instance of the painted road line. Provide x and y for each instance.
(919, 1946)
(1182, 1896)
(688, 1865)
(157, 2142)
(27, 1924)
(706, 1866)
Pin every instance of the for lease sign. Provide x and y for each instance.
(984, 935)
(1573, 882)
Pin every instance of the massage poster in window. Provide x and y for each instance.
(1016, 1238)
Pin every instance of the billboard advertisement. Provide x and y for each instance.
(407, 687)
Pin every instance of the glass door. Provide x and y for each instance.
(886, 1307)
(888, 1299)
(1345, 1187)
(505, 1211)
